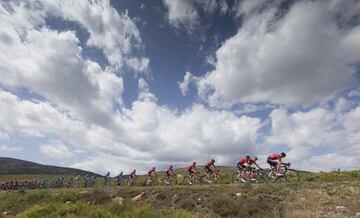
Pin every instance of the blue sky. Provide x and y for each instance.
(116, 85)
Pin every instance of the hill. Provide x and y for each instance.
(12, 166)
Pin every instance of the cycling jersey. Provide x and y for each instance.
(150, 172)
(209, 164)
(191, 167)
(132, 174)
(274, 157)
(169, 171)
(250, 161)
(242, 161)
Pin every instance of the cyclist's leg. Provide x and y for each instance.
(278, 164)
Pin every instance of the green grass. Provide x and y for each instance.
(96, 203)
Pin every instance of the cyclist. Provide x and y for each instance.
(242, 165)
(107, 178)
(151, 174)
(208, 170)
(274, 160)
(252, 161)
(132, 175)
(169, 171)
(191, 170)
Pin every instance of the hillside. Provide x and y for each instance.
(12, 166)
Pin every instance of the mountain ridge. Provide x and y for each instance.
(13, 166)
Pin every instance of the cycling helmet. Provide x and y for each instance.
(283, 154)
(171, 166)
(255, 158)
(153, 168)
(194, 163)
(213, 160)
(248, 157)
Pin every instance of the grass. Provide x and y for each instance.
(317, 194)
(96, 203)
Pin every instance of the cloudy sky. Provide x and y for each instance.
(116, 85)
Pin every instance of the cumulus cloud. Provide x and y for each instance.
(304, 56)
(146, 132)
(115, 34)
(50, 64)
(318, 139)
(56, 149)
(184, 85)
(185, 13)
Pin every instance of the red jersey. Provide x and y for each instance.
(133, 173)
(275, 157)
(209, 164)
(250, 161)
(242, 161)
(169, 171)
(191, 167)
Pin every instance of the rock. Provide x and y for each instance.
(68, 202)
(357, 215)
(118, 200)
(138, 197)
(199, 199)
(340, 208)
(5, 213)
(55, 194)
(83, 192)
(238, 194)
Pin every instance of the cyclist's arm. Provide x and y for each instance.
(257, 165)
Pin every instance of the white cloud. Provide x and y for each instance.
(115, 34)
(56, 149)
(50, 64)
(182, 12)
(184, 85)
(9, 148)
(185, 13)
(303, 57)
(316, 136)
(4, 135)
(146, 132)
(138, 65)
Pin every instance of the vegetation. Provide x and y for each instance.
(333, 194)
(325, 194)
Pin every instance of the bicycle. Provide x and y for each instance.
(133, 181)
(170, 180)
(151, 180)
(288, 174)
(193, 179)
(250, 174)
(214, 177)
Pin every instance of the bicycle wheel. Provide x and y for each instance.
(235, 177)
(262, 176)
(218, 179)
(292, 175)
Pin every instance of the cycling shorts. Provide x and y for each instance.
(272, 162)
(190, 172)
(241, 166)
(167, 174)
(207, 170)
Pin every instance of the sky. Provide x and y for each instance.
(119, 85)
